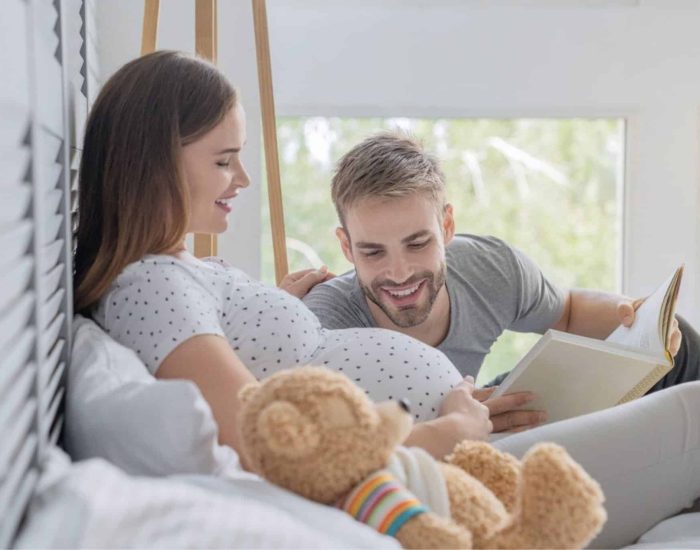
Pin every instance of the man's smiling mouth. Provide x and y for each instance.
(404, 295)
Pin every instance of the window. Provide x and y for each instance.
(551, 187)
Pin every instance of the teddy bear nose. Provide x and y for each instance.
(405, 404)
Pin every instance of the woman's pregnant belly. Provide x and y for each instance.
(390, 365)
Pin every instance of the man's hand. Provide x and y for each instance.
(503, 414)
(300, 282)
(626, 313)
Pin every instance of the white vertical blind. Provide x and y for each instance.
(48, 139)
(18, 401)
(43, 109)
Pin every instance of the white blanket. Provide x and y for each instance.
(93, 504)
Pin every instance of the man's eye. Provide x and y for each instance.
(416, 246)
(370, 254)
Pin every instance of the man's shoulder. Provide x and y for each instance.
(341, 286)
(339, 303)
(464, 250)
(477, 243)
(341, 293)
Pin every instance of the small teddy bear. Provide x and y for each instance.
(314, 432)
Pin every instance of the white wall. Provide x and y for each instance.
(640, 60)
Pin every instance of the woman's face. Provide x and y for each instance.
(214, 173)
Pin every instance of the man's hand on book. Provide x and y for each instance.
(626, 313)
(503, 414)
(674, 338)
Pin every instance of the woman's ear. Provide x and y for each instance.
(344, 239)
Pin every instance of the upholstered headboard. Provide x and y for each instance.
(46, 84)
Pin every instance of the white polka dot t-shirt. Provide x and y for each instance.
(161, 301)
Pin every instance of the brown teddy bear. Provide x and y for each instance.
(314, 432)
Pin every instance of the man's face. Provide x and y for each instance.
(398, 248)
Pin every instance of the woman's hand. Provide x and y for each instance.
(471, 418)
(462, 417)
(300, 282)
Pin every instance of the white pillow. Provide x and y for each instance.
(117, 411)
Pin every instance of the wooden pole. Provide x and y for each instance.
(151, 13)
(267, 104)
(206, 39)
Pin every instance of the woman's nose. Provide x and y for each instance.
(241, 177)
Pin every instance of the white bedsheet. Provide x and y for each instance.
(93, 504)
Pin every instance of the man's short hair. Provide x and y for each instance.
(386, 165)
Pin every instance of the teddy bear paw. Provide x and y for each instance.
(498, 471)
(561, 506)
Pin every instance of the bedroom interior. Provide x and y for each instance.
(85, 461)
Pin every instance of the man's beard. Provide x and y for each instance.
(407, 316)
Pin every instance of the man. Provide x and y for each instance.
(413, 274)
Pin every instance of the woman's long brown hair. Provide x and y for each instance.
(133, 199)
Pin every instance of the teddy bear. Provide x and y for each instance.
(314, 432)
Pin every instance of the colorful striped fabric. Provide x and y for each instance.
(382, 502)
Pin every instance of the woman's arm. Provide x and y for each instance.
(461, 417)
(208, 361)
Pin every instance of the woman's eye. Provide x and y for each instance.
(223, 164)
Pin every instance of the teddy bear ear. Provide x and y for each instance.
(247, 392)
(287, 431)
(337, 412)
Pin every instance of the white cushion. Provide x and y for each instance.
(117, 411)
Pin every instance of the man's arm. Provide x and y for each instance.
(594, 313)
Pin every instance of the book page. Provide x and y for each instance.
(646, 331)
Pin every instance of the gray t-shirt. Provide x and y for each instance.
(492, 287)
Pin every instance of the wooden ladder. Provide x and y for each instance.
(206, 40)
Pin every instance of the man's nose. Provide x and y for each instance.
(398, 270)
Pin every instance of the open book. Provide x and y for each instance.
(573, 375)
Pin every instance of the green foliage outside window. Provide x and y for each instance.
(551, 187)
